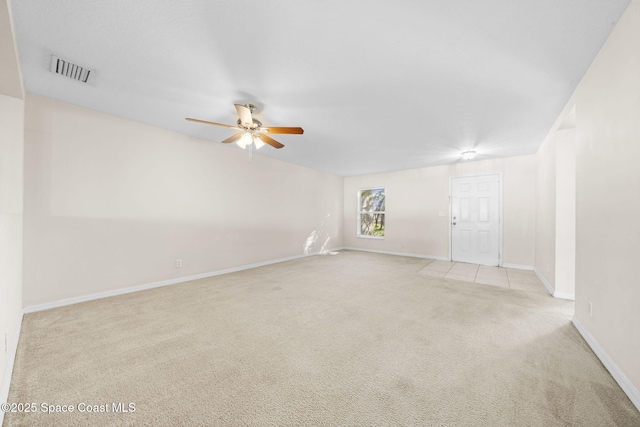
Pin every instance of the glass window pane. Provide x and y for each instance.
(372, 200)
(366, 200)
(378, 203)
(372, 224)
(378, 224)
(366, 224)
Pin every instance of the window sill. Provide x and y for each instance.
(363, 236)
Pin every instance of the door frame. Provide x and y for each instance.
(500, 212)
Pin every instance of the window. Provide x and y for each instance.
(371, 213)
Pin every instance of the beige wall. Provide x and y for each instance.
(111, 203)
(415, 197)
(11, 190)
(608, 196)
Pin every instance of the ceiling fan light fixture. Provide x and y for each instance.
(468, 155)
(245, 140)
(259, 143)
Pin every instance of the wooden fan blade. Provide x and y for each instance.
(291, 130)
(210, 123)
(272, 142)
(245, 115)
(233, 138)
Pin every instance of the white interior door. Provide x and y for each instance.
(475, 219)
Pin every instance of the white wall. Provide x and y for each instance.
(11, 77)
(545, 209)
(565, 245)
(111, 203)
(608, 196)
(11, 140)
(415, 197)
(556, 207)
(11, 190)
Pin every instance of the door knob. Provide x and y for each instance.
(454, 223)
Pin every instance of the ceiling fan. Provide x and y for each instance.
(251, 130)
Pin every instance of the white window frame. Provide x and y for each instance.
(359, 212)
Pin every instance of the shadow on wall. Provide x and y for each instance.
(316, 237)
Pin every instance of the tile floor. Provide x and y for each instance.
(510, 278)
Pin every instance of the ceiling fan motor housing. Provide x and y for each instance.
(255, 125)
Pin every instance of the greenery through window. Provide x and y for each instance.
(371, 212)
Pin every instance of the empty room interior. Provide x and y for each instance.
(319, 213)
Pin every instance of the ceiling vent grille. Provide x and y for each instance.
(73, 71)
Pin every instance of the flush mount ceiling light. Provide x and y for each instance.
(251, 130)
(468, 155)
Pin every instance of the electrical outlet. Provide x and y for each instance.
(178, 263)
(590, 309)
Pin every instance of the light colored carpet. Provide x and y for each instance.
(350, 339)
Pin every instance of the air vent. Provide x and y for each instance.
(71, 70)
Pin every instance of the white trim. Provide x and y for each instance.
(500, 175)
(625, 384)
(122, 291)
(518, 266)
(551, 289)
(563, 295)
(440, 258)
(364, 236)
(544, 281)
(6, 383)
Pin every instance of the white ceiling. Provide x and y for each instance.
(377, 86)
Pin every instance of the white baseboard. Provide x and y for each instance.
(563, 295)
(544, 281)
(518, 266)
(551, 289)
(440, 258)
(614, 370)
(122, 291)
(13, 349)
